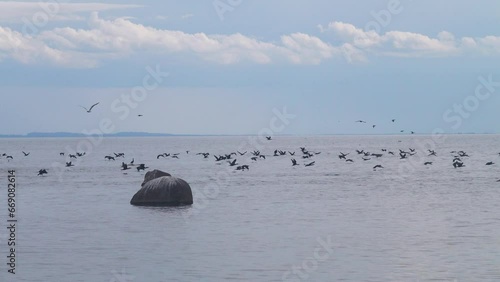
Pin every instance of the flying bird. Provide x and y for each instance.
(26, 154)
(90, 110)
(125, 166)
(141, 167)
(243, 167)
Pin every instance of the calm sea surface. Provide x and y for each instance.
(334, 221)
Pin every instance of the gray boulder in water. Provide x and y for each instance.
(161, 189)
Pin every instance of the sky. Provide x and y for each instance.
(239, 66)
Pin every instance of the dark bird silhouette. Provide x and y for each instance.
(233, 163)
(26, 154)
(109, 158)
(373, 126)
(360, 152)
(343, 156)
(141, 167)
(262, 157)
(366, 159)
(291, 153)
(125, 166)
(254, 158)
(310, 164)
(160, 155)
(393, 120)
(175, 157)
(349, 160)
(61, 154)
(139, 115)
(10, 157)
(428, 163)
(90, 110)
(241, 154)
(268, 137)
(243, 167)
(361, 121)
(377, 166)
(68, 164)
(458, 164)
(41, 172)
(72, 156)
(132, 162)
(490, 163)
(294, 162)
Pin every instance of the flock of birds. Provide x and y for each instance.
(89, 110)
(307, 156)
(230, 158)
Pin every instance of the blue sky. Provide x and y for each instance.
(230, 63)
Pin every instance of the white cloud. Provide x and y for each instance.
(106, 40)
(409, 44)
(110, 39)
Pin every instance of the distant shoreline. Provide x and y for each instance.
(147, 134)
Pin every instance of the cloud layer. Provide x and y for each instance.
(106, 40)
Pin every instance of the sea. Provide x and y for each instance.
(330, 221)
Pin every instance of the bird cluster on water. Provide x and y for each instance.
(458, 158)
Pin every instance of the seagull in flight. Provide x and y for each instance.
(90, 110)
